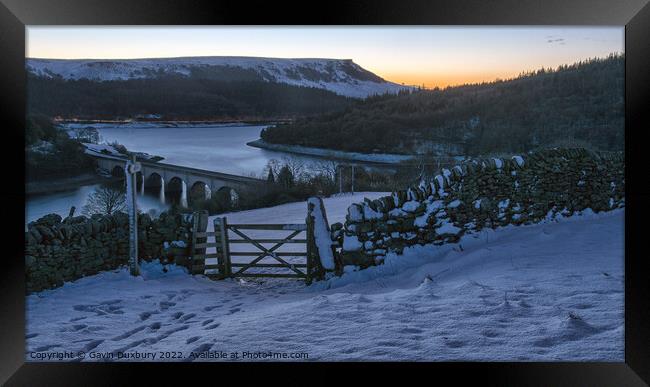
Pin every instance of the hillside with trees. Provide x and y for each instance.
(582, 103)
(178, 98)
(51, 153)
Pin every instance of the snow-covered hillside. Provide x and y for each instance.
(552, 291)
(340, 76)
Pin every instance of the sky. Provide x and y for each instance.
(424, 56)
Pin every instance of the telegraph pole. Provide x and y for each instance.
(352, 179)
(132, 168)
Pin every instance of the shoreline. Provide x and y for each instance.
(172, 123)
(376, 158)
(62, 184)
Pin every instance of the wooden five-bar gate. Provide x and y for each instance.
(288, 262)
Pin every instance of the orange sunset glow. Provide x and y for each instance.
(422, 56)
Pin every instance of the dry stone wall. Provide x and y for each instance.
(481, 193)
(59, 250)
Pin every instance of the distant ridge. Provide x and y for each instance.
(341, 76)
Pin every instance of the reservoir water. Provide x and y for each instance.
(219, 148)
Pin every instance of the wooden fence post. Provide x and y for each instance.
(193, 243)
(199, 225)
(311, 246)
(223, 249)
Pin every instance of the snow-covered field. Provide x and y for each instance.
(552, 291)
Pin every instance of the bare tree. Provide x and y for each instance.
(285, 178)
(326, 168)
(273, 166)
(296, 166)
(105, 200)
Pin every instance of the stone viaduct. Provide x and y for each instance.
(192, 182)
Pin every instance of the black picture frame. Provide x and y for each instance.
(633, 14)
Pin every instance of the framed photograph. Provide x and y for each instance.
(447, 187)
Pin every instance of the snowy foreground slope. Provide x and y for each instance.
(341, 76)
(552, 291)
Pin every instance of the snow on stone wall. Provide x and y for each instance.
(482, 193)
(60, 250)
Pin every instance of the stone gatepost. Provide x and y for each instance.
(320, 247)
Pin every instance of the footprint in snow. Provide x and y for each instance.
(544, 342)
(364, 299)
(128, 333)
(177, 315)
(454, 343)
(187, 317)
(524, 304)
(82, 340)
(144, 315)
(115, 309)
(100, 309)
(490, 333)
(110, 302)
(572, 328)
(389, 343)
(203, 347)
(152, 340)
(213, 326)
(192, 339)
(474, 313)
(411, 330)
(92, 345)
(78, 327)
(174, 330)
(164, 305)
